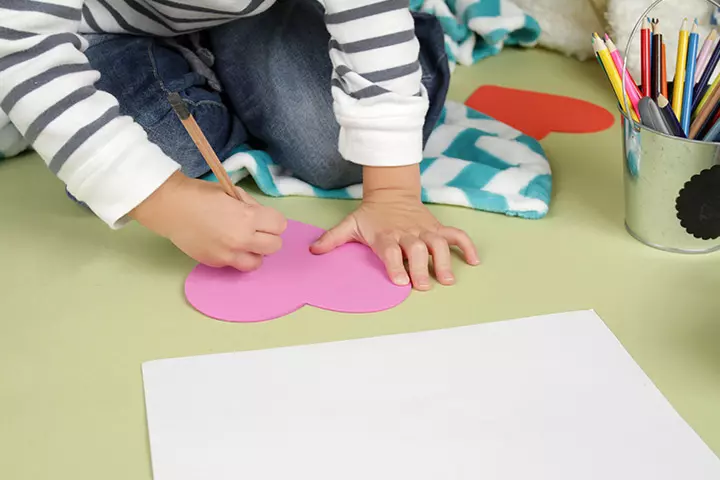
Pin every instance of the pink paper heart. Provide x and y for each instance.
(350, 279)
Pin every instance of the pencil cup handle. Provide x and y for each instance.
(623, 76)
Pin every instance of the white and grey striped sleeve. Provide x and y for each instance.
(379, 99)
(46, 89)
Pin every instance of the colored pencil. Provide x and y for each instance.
(679, 86)
(705, 114)
(645, 57)
(612, 74)
(631, 87)
(713, 134)
(656, 58)
(670, 118)
(663, 71)
(652, 117)
(202, 144)
(704, 55)
(689, 78)
(706, 96)
(702, 86)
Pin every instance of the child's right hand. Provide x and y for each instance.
(211, 227)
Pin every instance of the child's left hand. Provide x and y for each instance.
(397, 226)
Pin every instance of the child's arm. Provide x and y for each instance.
(380, 105)
(106, 160)
(46, 87)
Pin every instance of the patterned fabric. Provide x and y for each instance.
(476, 29)
(470, 160)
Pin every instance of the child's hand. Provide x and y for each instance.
(395, 226)
(211, 227)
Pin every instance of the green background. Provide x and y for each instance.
(81, 306)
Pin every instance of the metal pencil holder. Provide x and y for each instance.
(656, 168)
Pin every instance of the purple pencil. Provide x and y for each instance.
(702, 85)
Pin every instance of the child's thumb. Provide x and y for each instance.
(333, 238)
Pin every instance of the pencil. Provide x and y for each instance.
(663, 71)
(713, 134)
(706, 97)
(704, 55)
(631, 87)
(704, 114)
(689, 78)
(679, 86)
(202, 144)
(612, 74)
(702, 85)
(645, 57)
(656, 58)
(670, 118)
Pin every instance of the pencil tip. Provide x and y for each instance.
(662, 101)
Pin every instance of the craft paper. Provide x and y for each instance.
(545, 398)
(539, 114)
(350, 279)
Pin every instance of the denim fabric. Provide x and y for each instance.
(275, 74)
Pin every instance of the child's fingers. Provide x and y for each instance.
(440, 251)
(264, 243)
(246, 261)
(460, 239)
(388, 251)
(417, 255)
(269, 220)
(333, 238)
(246, 197)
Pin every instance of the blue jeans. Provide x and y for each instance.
(269, 86)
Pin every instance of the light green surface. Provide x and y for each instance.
(81, 307)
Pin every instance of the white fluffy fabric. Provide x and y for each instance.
(566, 24)
(623, 15)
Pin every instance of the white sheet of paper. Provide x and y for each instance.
(545, 398)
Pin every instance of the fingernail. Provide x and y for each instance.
(448, 278)
(424, 283)
(401, 279)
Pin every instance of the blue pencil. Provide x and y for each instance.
(690, 79)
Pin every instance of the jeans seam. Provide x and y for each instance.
(164, 88)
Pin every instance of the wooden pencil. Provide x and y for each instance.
(686, 115)
(612, 74)
(645, 57)
(656, 70)
(679, 86)
(702, 85)
(704, 55)
(704, 114)
(670, 118)
(198, 137)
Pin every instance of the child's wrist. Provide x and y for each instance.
(152, 207)
(391, 182)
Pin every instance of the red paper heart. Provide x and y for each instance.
(538, 114)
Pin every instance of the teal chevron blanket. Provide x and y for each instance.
(470, 160)
(476, 29)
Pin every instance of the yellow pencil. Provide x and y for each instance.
(604, 55)
(707, 96)
(679, 87)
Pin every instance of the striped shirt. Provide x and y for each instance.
(106, 160)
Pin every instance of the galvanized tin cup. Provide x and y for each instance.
(656, 168)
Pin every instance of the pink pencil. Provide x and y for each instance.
(633, 91)
(704, 55)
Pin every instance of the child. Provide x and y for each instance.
(86, 83)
